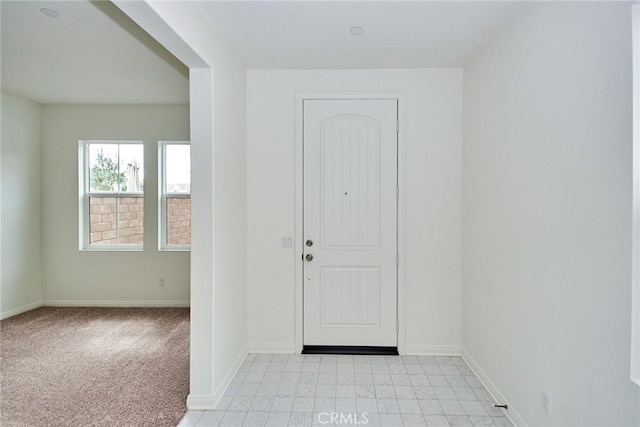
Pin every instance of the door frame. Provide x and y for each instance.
(301, 96)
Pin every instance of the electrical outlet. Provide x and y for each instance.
(161, 281)
(545, 402)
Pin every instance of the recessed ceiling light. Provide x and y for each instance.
(356, 31)
(49, 12)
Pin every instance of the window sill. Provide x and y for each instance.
(175, 249)
(113, 248)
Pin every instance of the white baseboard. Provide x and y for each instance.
(511, 413)
(200, 402)
(20, 310)
(72, 303)
(272, 348)
(433, 350)
(226, 381)
(209, 403)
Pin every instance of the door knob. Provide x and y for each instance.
(309, 242)
(309, 257)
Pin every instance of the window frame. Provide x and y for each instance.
(163, 245)
(85, 194)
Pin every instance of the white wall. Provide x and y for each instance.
(230, 216)
(433, 199)
(547, 213)
(21, 235)
(218, 288)
(74, 276)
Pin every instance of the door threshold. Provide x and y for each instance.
(350, 349)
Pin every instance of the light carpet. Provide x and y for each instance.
(94, 367)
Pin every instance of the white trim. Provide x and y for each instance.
(635, 237)
(298, 245)
(72, 303)
(491, 388)
(402, 223)
(272, 347)
(83, 219)
(205, 402)
(231, 373)
(201, 402)
(20, 310)
(85, 193)
(433, 350)
(400, 96)
(111, 141)
(163, 246)
(114, 248)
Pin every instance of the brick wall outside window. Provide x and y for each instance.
(178, 221)
(124, 213)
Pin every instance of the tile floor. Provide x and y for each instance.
(308, 390)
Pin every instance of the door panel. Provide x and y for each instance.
(349, 296)
(350, 186)
(350, 216)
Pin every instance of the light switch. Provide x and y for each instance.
(287, 242)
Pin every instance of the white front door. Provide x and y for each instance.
(350, 222)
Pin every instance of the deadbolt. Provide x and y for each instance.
(309, 257)
(309, 243)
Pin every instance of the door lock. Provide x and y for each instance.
(309, 242)
(309, 257)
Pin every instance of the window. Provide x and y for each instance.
(111, 195)
(175, 195)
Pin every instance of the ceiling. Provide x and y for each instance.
(397, 34)
(91, 53)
